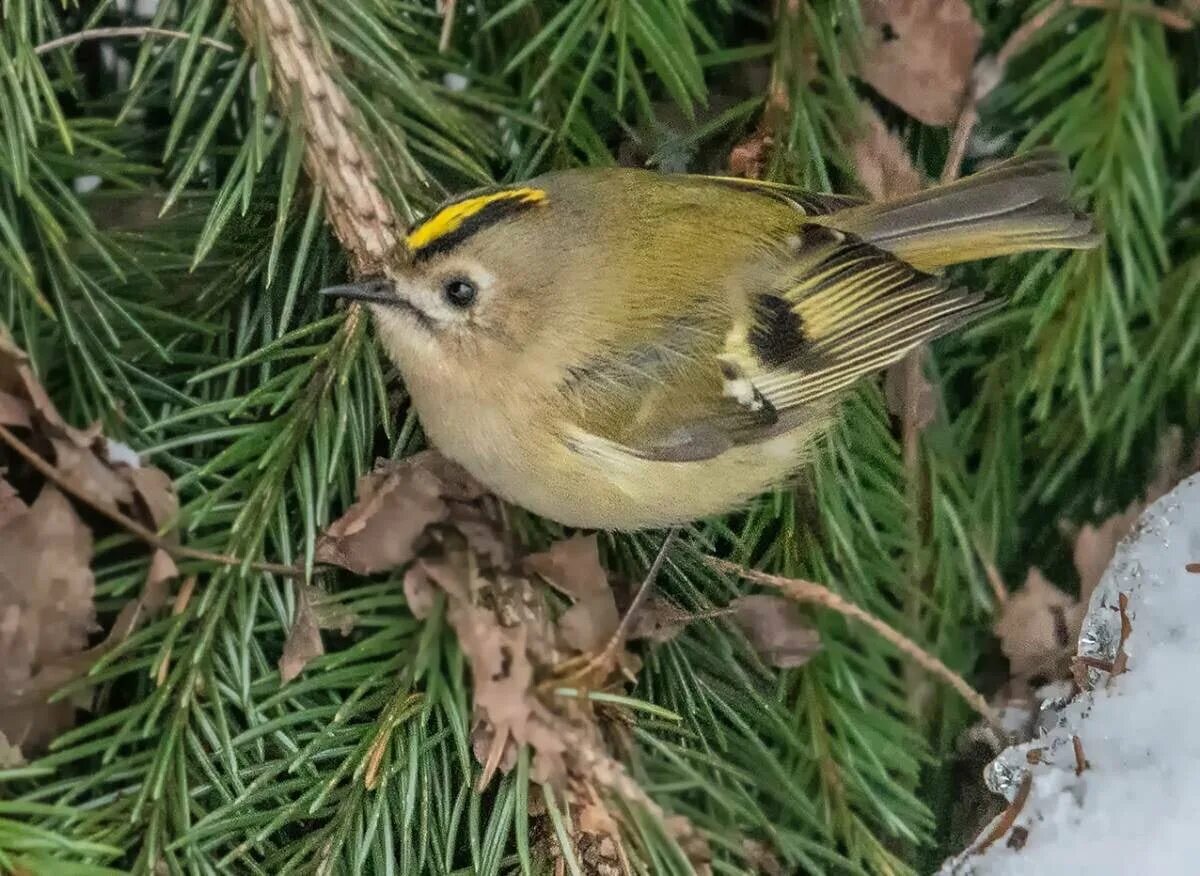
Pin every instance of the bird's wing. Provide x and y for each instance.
(848, 309)
(806, 202)
(832, 311)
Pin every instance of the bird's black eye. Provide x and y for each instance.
(460, 292)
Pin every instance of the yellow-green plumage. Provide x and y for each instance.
(647, 349)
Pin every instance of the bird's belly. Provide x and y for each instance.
(595, 484)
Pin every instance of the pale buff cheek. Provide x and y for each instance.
(408, 345)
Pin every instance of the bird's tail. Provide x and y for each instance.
(1017, 206)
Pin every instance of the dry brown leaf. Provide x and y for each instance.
(17, 379)
(919, 54)
(1035, 629)
(92, 477)
(691, 842)
(910, 395)
(315, 611)
(573, 567)
(760, 858)
(155, 493)
(749, 157)
(303, 642)
(14, 411)
(597, 837)
(10, 503)
(880, 160)
(380, 530)
(777, 629)
(419, 591)
(659, 621)
(46, 612)
(11, 756)
(154, 596)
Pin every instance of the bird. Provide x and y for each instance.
(622, 349)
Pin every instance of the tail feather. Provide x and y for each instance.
(1020, 205)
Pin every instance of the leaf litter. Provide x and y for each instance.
(425, 515)
(47, 585)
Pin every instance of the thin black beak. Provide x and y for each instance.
(376, 291)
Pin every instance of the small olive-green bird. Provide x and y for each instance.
(619, 349)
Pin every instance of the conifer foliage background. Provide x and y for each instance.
(160, 246)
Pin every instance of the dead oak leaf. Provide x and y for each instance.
(10, 503)
(18, 380)
(46, 612)
(14, 411)
(573, 567)
(380, 530)
(1035, 628)
(90, 476)
(919, 54)
(154, 597)
(777, 629)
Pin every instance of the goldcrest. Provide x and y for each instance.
(619, 349)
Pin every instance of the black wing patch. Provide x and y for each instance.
(854, 312)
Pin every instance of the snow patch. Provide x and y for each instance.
(1132, 803)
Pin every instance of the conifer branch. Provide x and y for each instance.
(340, 165)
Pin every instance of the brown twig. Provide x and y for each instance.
(1081, 762)
(1121, 661)
(1007, 818)
(1168, 18)
(101, 33)
(449, 7)
(1194, 568)
(818, 594)
(149, 536)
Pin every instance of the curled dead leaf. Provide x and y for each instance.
(158, 505)
(919, 54)
(91, 476)
(1035, 629)
(154, 596)
(881, 161)
(303, 642)
(777, 629)
(573, 567)
(46, 612)
(659, 621)
(396, 503)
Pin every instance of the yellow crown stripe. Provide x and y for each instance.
(449, 218)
